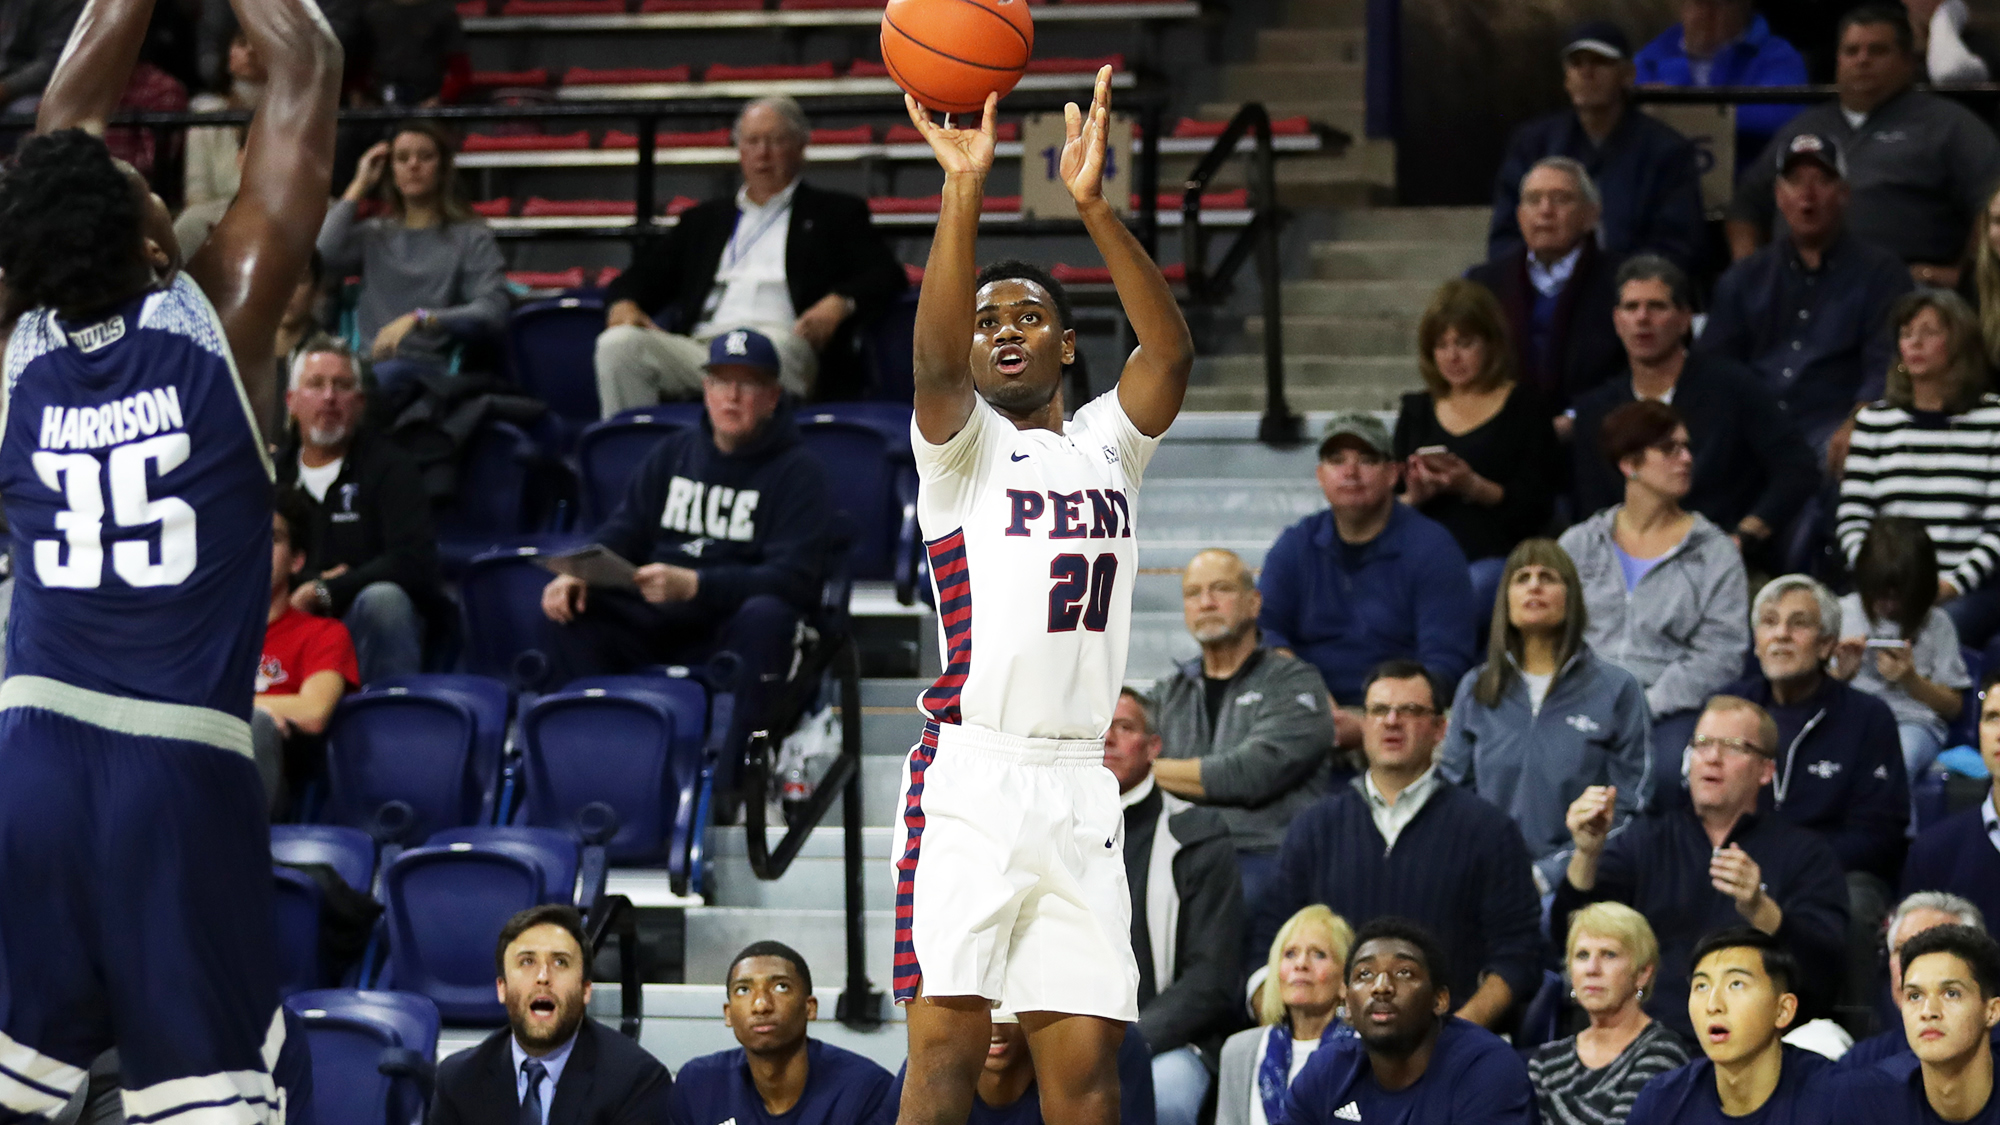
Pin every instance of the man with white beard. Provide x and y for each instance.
(373, 562)
(1245, 728)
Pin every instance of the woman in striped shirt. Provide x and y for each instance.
(1594, 1076)
(1930, 451)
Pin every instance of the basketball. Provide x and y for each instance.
(949, 54)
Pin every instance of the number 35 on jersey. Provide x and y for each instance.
(118, 485)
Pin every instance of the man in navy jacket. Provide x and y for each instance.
(1713, 862)
(1645, 170)
(1410, 1060)
(1367, 580)
(726, 525)
(1961, 853)
(1401, 840)
(1839, 770)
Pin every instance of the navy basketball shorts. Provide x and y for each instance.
(136, 912)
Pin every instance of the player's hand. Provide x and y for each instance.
(624, 313)
(368, 172)
(1082, 164)
(817, 324)
(391, 336)
(563, 598)
(959, 151)
(659, 583)
(1734, 873)
(1589, 817)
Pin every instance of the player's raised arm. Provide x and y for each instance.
(942, 348)
(1156, 375)
(90, 77)
(257, 253)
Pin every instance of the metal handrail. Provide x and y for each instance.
(1279, 426)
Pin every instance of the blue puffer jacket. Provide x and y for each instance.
(1756, 58)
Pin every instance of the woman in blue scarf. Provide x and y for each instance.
(1298, 1008)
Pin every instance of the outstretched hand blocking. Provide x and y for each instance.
(1082, 163)
(959, 151)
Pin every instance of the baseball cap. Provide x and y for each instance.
(1599, 37)
(743, 347)
(1359, 425)
(1816, 147)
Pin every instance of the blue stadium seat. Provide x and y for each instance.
(501, 593)
(686, 413)
(402, 766)
(554, 345)
(448, 900)
(349, 851)
(887, 350)
(871, 491)
(372, 1054)
(630, 802)
(491, 704)
(891, 419)
(508, 493)
(608, 452)
(297, 906)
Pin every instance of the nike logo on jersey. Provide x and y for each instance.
(1017, 457)
(1110, 513)
(94, 427)
(697, 508)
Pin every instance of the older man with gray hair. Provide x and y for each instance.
(1556, 283)
(1839, 762)
(800, 264)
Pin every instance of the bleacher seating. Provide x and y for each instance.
(608, 452)
(402, 765)
(448, 899)
(500, 594)
(520, 489)
(349, 851)
(552, 345)
(638, 803)
(373, 1054)
(297, 904)
(876, 491)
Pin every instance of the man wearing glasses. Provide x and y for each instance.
(1398, 840)
(1714, 862)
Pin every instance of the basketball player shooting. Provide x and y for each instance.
(1011, 878)
(134, 854)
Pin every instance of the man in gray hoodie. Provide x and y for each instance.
(1247, 729)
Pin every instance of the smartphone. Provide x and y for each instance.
(1883, 642)
(1432, 451)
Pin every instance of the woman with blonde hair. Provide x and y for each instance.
(431, 271)
(1930, 450)
(1538, 664)
(1298, 1009)
(1594, 1076)
(1478, 453)
(1982, 286)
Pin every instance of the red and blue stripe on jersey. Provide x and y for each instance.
(952, 574)
(908, 974)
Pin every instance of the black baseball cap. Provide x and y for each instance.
(1815, 147)
(1599, 37)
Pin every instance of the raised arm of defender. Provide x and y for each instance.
(1156, 374)
(258, 252)
(943, 341)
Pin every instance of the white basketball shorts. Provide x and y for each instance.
(1010, 881)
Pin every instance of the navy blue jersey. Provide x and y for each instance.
(139, 499)
(1688, 1096)
(842, 1088)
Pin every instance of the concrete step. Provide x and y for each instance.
(1425, 260)
(684, 1021)
(716, 933)
(1357, 298)
(1412, 224)
(1267, 81)
(1300, 398)
(1212, 460)
(814, 881)
(1308, 371)
(1311, 45)
(1345, 114)
(1340, 335)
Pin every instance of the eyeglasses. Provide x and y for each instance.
(1379, 711)
(1741, 747)
(1670, 448)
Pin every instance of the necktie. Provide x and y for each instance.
(531, 1102)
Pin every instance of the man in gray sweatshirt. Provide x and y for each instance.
(1247, 729)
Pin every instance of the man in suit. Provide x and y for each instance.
(803, 265)
(1556, 284)
(551, 1065)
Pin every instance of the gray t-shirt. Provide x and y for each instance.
(1935, 652)
(454, 270)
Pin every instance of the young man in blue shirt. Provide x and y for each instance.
(778, 1073)
(1412, 1060)
(1740, 1001)
(1951, 1004)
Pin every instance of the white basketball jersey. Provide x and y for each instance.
(1033, 558)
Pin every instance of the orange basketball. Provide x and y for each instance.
(949, 54)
